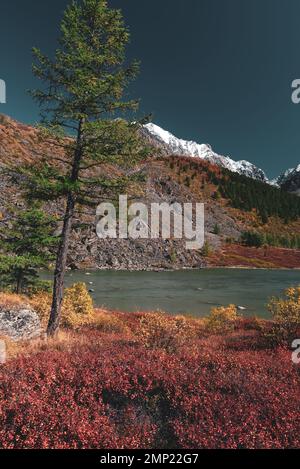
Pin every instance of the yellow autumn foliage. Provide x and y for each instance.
(222, 319)
(77, 309)
(109, 322)
(286, 315)
(158, 330)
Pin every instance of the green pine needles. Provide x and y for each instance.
(27, 245)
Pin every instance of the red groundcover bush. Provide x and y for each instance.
(116, 394)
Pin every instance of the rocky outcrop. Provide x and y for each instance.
(19, 322)
(133, 254)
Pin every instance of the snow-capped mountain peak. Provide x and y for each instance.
(289, 180)
(177, 146)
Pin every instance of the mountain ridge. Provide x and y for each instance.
(177, 146)
(164, 140)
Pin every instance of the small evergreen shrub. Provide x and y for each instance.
(217, 229)
(252, 239)
(206, 250)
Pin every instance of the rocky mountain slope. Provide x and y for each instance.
(290, 180)
(167, 179)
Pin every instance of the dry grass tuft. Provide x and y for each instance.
(10, 300)
(109, 322)
(65, 341)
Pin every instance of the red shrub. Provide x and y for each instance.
(116, 394)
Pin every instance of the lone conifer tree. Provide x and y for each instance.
(84, 87)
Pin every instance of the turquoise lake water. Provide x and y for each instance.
(190, 292)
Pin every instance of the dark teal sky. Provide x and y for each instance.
(215, 71)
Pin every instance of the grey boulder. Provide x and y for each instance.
(19, 323)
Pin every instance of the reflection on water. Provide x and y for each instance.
(188, 292)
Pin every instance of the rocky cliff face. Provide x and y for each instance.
(154, 254)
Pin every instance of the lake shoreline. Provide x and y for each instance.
(226, 256)
(176, 269)
(187, 269)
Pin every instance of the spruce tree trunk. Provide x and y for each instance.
(19, 284)
(62, 254)
(60, 269)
